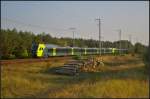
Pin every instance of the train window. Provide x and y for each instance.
(83, 50)
(41, 48)
(77, 50)
(61, 50)
(50, 50)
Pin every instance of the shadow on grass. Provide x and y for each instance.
(121, 63)
(50, 70)
(91, 77)
(132, 73)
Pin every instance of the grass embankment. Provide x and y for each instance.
(120, 77)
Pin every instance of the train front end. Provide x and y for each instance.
(40, 50)
(37, 50)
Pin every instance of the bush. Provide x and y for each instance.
(146, 59)
(24, 54)
(12, 56)
(78, 57)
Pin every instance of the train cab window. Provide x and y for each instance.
(41, 48)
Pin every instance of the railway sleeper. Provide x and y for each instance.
(70, 68)
(74, 66)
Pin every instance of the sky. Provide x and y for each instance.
(57, 17)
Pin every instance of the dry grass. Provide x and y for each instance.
(114, 88)
(121, 77)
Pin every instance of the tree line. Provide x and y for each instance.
(17, 44)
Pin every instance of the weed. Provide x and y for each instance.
(121, 77)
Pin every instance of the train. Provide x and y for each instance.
(47, 50)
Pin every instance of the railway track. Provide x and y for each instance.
(33, 60)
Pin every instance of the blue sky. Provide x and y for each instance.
(56, 17)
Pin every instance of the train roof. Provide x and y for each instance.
(51, 46)
(59, 47)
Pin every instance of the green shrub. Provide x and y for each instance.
(24, 54)
(78, 57)
(146, 59)
(12, 56)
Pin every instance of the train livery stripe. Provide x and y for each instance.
(54, 51)
(85, 51)
(97, 51)
(72, 51)
(113, 50)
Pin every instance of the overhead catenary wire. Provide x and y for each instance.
(31, 25)
(18, 22)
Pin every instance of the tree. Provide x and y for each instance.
(19, 43)
(139, 48)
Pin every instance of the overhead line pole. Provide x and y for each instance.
(130, 41)
(102, 39)
(99, 20)
(120, 40)
(130, 37)
(73, 41)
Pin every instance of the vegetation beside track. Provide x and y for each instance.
(122, 76)
(17, 44)
(34, 60)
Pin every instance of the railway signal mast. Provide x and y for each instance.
(99, 21)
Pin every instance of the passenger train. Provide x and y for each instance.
(46, 50)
